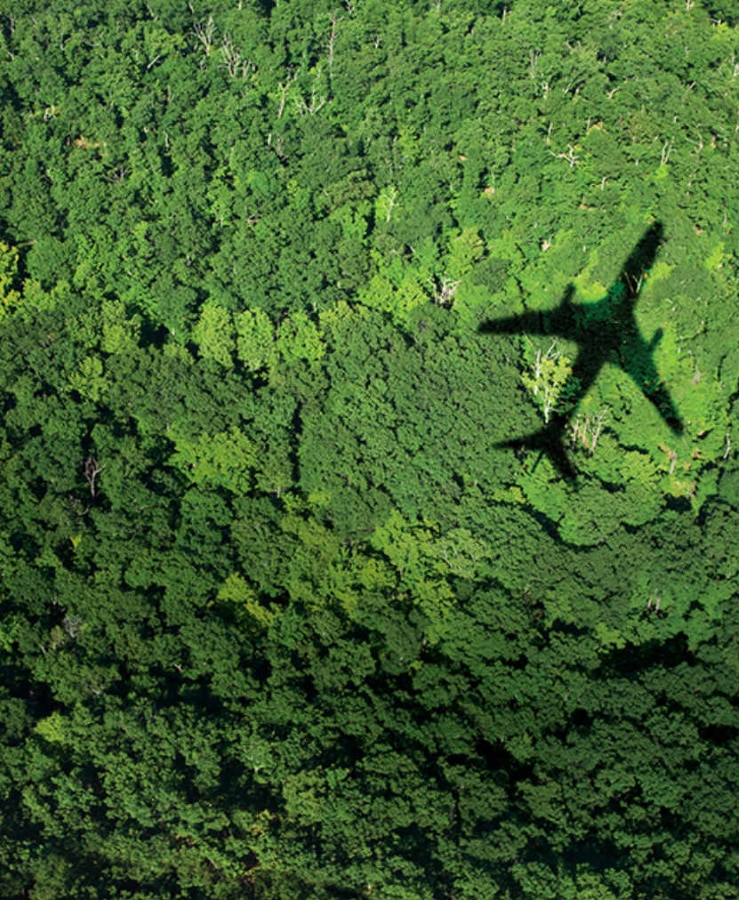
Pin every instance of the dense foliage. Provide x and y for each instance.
(280, 616)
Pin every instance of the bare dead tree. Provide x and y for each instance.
(587, 430)
(309, 106)
(276, 145)
(117, 175)
(91, 470)
(205, 32)
(72, 625)
(666, 151)
(332, 37)
(444, 290)
(233, 61)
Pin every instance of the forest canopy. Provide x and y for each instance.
(289, 609)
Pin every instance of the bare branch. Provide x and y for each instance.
(569, 156)
(311, 106)
(232, 60)
(284, 88)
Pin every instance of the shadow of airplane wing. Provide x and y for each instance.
(559, 321)
(589, 362)
(525, 323)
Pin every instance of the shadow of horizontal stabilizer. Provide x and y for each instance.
(550, 440)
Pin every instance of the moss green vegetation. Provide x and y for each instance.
(283, 614)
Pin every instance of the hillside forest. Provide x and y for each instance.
(290, 606)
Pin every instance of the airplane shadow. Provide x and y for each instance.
(606, 332)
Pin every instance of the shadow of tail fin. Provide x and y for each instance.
(569, 293)
(658, 334)
(552, 440)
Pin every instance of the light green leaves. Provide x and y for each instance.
(214, 334)
(225, 459)
(238, 595)
(255, 342)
